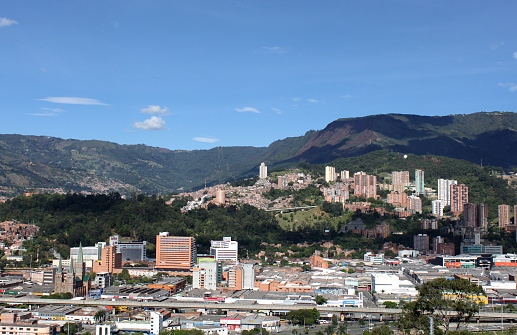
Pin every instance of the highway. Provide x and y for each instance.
(246, 306)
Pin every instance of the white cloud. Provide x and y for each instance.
(73, 101)
(276, 110)
(297, 99)
(274, 50)
(313, 101)
(54, 110)
(4, 22)
(48, 112)
(153, 109)
(43, 114)
(511, 86)
(206, 139)
(153, 123)
(515, 55)
(347, 96)
(247, 109)
(496, 45)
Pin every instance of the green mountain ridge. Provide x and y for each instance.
(100, 166)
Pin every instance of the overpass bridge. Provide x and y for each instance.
(246, 306)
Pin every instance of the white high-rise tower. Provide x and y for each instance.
(263, 171)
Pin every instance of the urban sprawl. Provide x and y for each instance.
(384, 278)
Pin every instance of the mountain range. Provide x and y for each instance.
(40, 162)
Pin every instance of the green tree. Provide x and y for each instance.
(71, 328)
(443, 300)
(100, 315)
(341, 329)
(329, 330)
(124, 275)
(320, 300)
(390, 304)
(382, 330)
(305, 317)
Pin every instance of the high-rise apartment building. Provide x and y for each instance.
(220, 197)
(225, 250)
(459, 197)
(330, 174)
(476, 216)
(344, 175)
(437, 240)
(263, 171)
(207, 275)
(398, 199)
(444, 190)
(421, 243)
(175, 252)
(415, 204)
(241, 277)
(482, 219)
(400, 178)
(419, 182)
(365, 185)
(504, 215)
(283, 183)
(437, 207)
(470, 215)
(110, 260)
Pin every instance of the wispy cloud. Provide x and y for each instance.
(54, 110)
(515, 55)
(155, 110)
(313, 101)
(247, 109)
(274, 50)
(43, 114)
(511, 86)
(48, 112)
(153, 123)
(206, 139)
(276, 110)
(73, 101)
(297, 99)
(5, 22)
(496, 45)
(347, 96)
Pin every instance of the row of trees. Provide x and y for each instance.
(444, 300)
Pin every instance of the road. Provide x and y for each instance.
(30, 300)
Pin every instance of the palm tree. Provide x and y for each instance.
(100, 315)
(329, 330)
(341, 330)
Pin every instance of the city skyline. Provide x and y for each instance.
(184, 75)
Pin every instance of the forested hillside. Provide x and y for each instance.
(40, 162)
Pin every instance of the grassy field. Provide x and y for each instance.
(310, 217)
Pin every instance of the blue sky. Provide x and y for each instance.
(200, 74)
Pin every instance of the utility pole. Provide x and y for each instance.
(431, 325)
